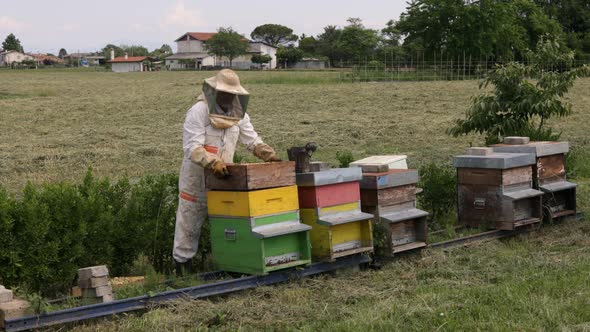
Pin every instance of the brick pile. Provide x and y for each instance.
(95, 285)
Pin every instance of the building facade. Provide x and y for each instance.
(8, 57)
(125, 64)
(192, 54)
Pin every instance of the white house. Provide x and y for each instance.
(124, 64)
(8, 57)
(190, 47)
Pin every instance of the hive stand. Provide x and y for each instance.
(391, 197)
(257, 231)
(495, 189)
(549, 176)
(330, 205)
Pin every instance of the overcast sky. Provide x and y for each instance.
(46, 26)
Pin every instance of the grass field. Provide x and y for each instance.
(56, 124)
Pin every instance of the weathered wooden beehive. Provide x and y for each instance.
(330, 203)
(391, 196)
(548, 173)
(495, 189)
(254, 219)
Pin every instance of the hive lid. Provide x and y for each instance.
(281, 228)
(522, 194)
(382, 162)
(557, 186)
(331, 176)
(496, 160)
(402, 215)
(391, 178)
(540, 149)
(344, 218)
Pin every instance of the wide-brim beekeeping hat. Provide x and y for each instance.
(228, 81)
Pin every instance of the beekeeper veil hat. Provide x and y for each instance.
(227, 81)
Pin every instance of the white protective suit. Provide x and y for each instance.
(203, 145)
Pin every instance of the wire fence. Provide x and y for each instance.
(431, 70)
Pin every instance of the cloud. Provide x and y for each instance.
(9, 23)
(182, 17)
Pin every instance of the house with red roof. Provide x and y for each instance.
(192, 54)
(126, 63)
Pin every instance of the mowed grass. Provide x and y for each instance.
(54, 125)
(530, 283)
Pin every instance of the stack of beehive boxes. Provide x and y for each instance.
(254, 219)
(495, 189)
(94, 284)
(548, 173)
(11, 307)
(388, 190)
(330, 203)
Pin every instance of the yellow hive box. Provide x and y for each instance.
(338, 231)
(252, 203)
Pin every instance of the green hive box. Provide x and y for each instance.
(259, 245)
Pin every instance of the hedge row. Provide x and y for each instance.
(54, 229)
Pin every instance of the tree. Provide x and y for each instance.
(574, 17)
(483, 28)
(162, 52)
(522, 95)
(11, 43)
(356, 42)
(227, 43)
(62, 53)
(166, 49)
(308, 44)
(328, 43)
(107, 51)
(261, 58)
(289, 56)
(273, 34)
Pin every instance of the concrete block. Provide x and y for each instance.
(13, 309)
(479, 151)
(93, 282)
(97, 292)
(516, 140)
(5, 295)
(108, 298)
(93, 271)
(332, 176)
(76, 291)
(495, 160)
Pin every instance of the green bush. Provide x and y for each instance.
(344, 158)
(49, 231)
(439, 195)
(9, 258)
(54, 229)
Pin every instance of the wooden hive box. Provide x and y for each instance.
(246, 177)
(259, 245)
(549, 175)
(329, 195)
(495, 190)
(338, 231)
(391, 197)
(252, 203)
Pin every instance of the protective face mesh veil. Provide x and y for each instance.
(239, 104)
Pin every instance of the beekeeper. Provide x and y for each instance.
(211, 131)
